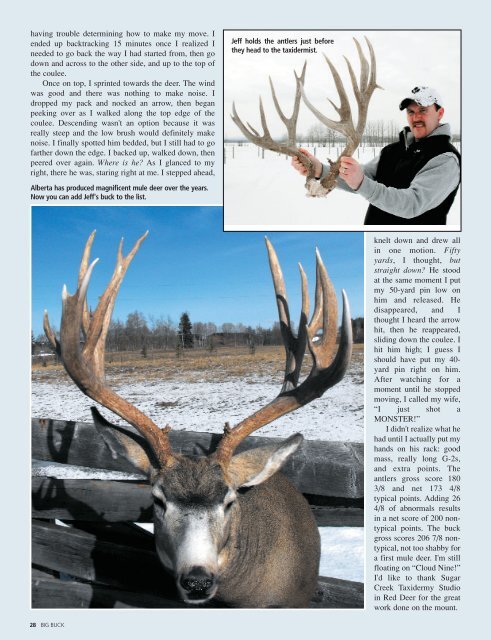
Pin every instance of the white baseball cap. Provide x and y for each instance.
(424, 96)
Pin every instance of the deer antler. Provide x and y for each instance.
(328, 366)
(84, 363)
(363, 92)
(266, 141)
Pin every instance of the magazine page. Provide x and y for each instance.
(246, 257)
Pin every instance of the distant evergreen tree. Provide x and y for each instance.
(185, 332)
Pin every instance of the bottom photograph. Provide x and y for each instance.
(197, 412)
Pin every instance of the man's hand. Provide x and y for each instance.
(351, 172)
(296, 164)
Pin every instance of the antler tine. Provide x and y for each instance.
(250, 133)
(294, 344)
(84, 265)
(372, 82)
(52, 339)
(96, 335)
(344, 110)
(345, 123)
(291, 123)
(363, 91)
(85, 364)
(266, 141)
(364, 70)
(325, 316)
(368, 83)
(267, 135)
(316, 321)
(327, 370)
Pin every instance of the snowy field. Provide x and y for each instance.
(197, 404)
(265, 193)
(206, 406)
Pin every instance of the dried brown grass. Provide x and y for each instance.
(194, 364)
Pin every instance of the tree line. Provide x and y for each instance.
(138, 333)
(378, 133)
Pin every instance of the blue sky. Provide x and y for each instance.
(187, 263)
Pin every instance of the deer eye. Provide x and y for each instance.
(228, 505)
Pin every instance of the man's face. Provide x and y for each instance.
(423, 120)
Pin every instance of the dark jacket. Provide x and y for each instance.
(398, 166)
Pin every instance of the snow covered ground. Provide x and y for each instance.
(206, 406)
(342, 553)
(265, 193)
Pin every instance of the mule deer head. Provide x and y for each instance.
(362, 89)
(226, 525)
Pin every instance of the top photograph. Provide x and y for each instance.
(342, 130)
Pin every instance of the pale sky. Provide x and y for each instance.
(405, 59)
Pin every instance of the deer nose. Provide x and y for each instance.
(198, 583)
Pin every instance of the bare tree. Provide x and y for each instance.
(136, 330)
(163, 333)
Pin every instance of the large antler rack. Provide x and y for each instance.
(266, 141)
(363, 91)
(329, 365)
(84, 362)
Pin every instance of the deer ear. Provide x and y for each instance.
(124, 445)
(257, 465)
